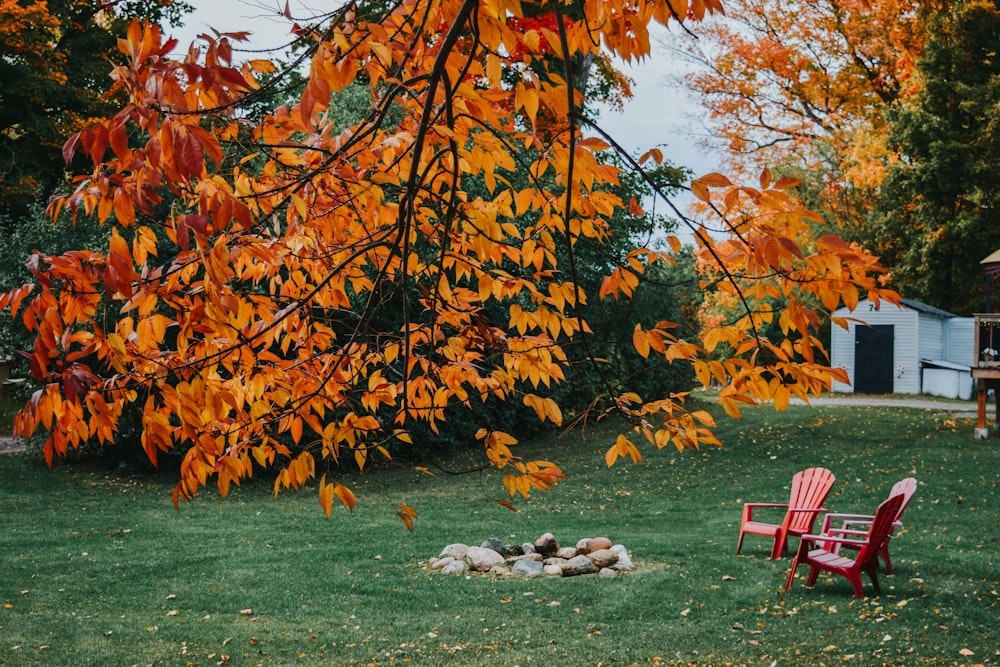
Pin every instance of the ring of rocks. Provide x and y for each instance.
(543, 557)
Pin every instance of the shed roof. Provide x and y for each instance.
(925, 308)
(919, 306)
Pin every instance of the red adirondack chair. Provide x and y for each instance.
(860, 522)
(809, 489)
(814, 550)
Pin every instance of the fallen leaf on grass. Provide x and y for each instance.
(966, 652)
(246, 612)
(173, 612)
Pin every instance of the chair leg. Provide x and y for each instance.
(884, 553)
(739, 542)
(854, 576)
(873, 575)
(780, 545)
(791, 574)
(813, 573)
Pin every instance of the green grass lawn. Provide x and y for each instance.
(99, 569)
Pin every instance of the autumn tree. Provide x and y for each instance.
(231, 320)
(808, 86)
(54, 61)
(937, 215)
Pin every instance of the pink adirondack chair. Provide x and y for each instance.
(809, 489)
(860, 522)
(814, 550)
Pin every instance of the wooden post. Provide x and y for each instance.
(981, 431)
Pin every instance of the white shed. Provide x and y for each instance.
(909, 349)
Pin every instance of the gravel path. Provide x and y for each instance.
(964, 408)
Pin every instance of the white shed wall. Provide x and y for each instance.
(960, 341)
(916, 335)
(906, 359)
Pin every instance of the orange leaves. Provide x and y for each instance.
(290, 290)
(328, 491)
(623, 447)
(301, 469)
(539, 475)
(527, 475)
(545, 408)
(407, 515)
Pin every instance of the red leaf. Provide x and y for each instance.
(507, 504)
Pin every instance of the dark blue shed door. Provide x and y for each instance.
(873, 359)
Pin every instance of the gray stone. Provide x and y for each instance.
(582, 547)
(528, 548)
(496, 544)
(500, 570)
(624, 563)
(607, 572)
(555, 560)
(482, 559)
(553, 570)
(527, 568)
(578, 565)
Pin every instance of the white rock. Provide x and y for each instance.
(440, 563)
(455, 567)
(457, 551)
(482, 560)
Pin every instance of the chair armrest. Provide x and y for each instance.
(852, 520)
(845, 520)
(806, 509)
(748, 509)
(843, 531)
(861, 517)
(828, 538)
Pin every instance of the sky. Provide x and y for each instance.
(658, 115)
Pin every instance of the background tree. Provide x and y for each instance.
(937, 213)
(807, 87)
(54, 63)
(225, 305)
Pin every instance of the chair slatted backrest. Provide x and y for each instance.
(906, 488)
(809, 489)
(880, 529)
